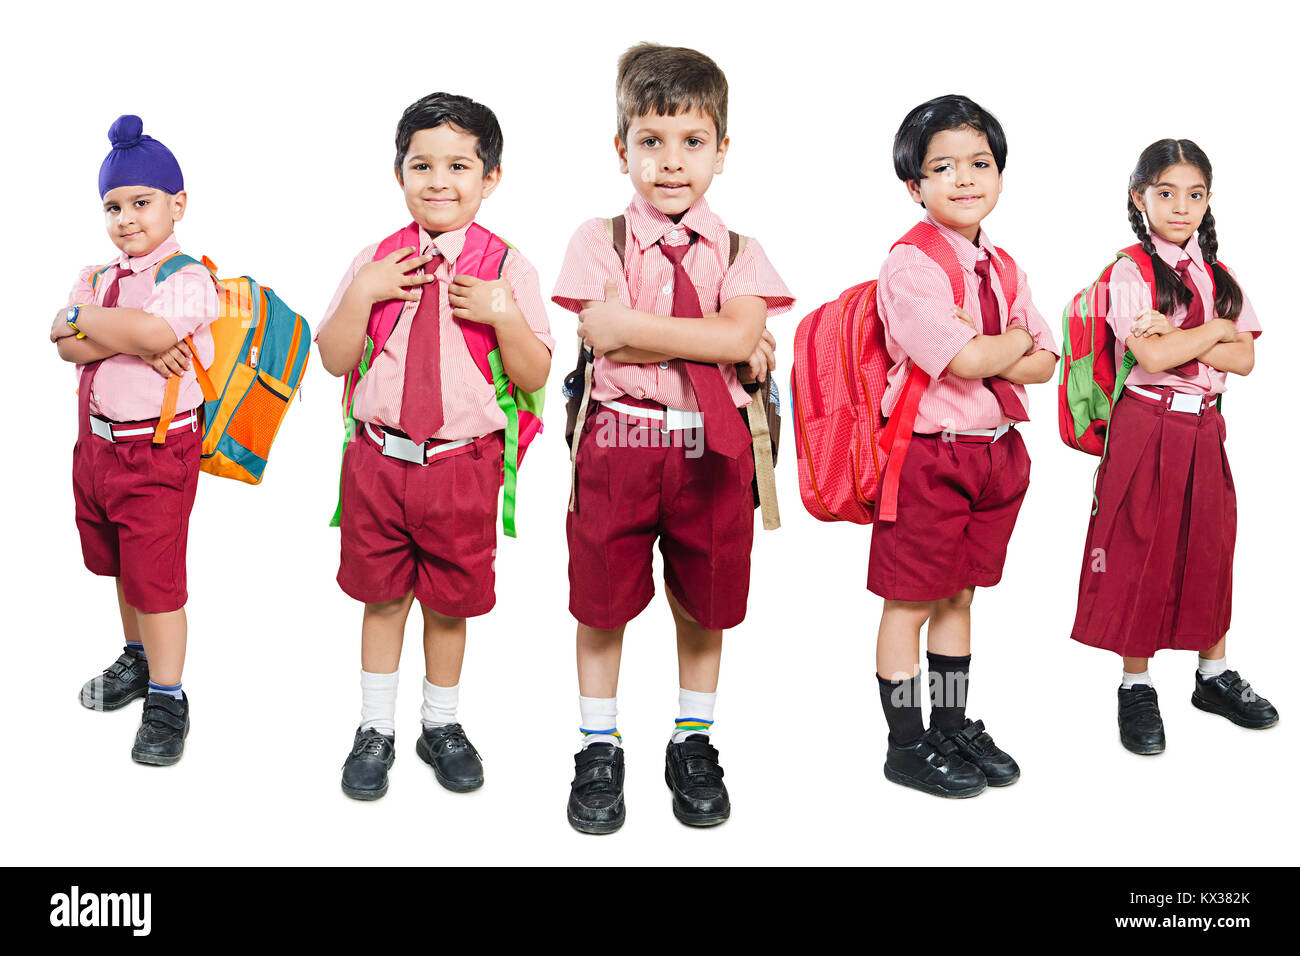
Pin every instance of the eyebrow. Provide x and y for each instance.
(652, 131)
(421, 158)
(1175, 186)
(935, 159)
(144, 195)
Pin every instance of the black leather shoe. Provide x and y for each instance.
(1228, 695)
(975, 746)
(365, 772)
(1141, 730)
(933, 765)
(126, 679)
(160, 741)
(453, 758)
(596, 795)
(692, 773)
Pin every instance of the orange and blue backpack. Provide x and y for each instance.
(260, 349)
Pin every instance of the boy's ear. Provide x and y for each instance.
(621, 148)
(914, 190)
(491, 181)
(397, 173)
(722, 155)
(178, 205)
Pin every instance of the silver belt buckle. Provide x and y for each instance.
(395, 446)
(102, 428)
(677, 419)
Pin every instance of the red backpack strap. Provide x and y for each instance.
(483, 257)
(929, 240)
(1008, 275)
(383, 315)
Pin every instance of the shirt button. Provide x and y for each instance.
(664, 366)
(668, 289)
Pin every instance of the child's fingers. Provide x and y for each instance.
(185, 349)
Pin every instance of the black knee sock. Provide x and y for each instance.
(901, 701)
(949, 679)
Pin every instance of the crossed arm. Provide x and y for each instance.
(113, 331)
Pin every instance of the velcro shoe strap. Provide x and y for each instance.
(168, 711)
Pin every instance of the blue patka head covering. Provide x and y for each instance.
(138, 160)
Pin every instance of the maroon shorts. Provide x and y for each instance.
(957, 506)
(698, 504)
(133, 513)
(1157, 565)
(428, 528)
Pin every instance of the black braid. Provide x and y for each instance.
(1227, 294)
(1170, 291)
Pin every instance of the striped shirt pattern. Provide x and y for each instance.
(647, 286)
(914, 302)
(468, 400)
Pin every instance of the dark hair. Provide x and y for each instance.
(935, 116)
(668, 80)
(1170, 291)
(459, 111)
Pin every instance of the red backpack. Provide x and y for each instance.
(1090, 384)
(850, 457)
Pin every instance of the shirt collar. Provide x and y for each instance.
(168, 247)
(447, 244)
(648, 225)
(967, 252)
(1173, 253)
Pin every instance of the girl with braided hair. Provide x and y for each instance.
(1157, 566)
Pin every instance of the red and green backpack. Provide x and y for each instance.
(482, 257)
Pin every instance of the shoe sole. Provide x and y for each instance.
(365, 794)
(156, 760)
(1141, 750)
(597, 827)
(1202, 704)
(1003, 783)
(904, 780)
(455, 786)
(90, 703)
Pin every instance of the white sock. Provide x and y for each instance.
(694, 713)
(599, 721)
(1208, 668)
(378, 701)
(439, 707)
(1131, 679)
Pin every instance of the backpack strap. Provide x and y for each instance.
(162, 272)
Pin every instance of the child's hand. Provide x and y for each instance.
(480, 300)
(1150, 322)
(61, 329)
(392, 277)
(1229, 330)
(964, 316)
(603, 326)
(174, 361)
(764, 358)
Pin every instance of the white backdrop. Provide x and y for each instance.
(283, 123)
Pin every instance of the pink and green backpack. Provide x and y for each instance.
(482, 257)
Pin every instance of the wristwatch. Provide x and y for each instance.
(71, 318)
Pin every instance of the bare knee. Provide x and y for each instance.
(398, 607)
(911, 612)
(959, 601)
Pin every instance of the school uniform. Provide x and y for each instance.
(1157, 563)
(966, 471)
(133, 499)
(430, 528)
(628, 494)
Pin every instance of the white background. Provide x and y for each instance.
(283, 123)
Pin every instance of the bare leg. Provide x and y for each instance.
(130, 616)
(1215, 653)
(699, 651)
(163, 636)
(444, 647)
(898, 642)
(599, 654)
(382, 625)
(1136, 665)
(949, 630)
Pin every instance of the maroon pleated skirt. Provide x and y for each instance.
(1157, 567)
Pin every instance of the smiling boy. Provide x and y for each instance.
(422, 475)
(667, 321)
(134, 483)
(966, 471)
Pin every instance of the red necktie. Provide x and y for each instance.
(109, 300)
(724, 432)
(421, 414)
(1002, 390)
(1195, 317)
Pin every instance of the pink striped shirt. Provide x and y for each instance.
(645, 283)
(469, 401)
(1129, 295)
(126, 388)
(914, 301)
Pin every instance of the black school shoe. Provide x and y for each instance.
(1228, 695)
(453, 758)
(1141, 729)
(121, 682)
(365, 771)
(933, 765)
(693, 774)
(596, 794)
(160, 741)
(975, 746)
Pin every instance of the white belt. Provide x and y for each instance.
(992, 433)
(1180, 401)
(105, 430)
(418, 453)
(671, 419)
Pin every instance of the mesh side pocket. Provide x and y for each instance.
(258, 418)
